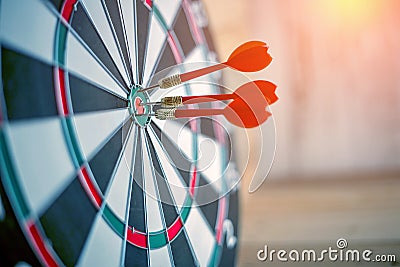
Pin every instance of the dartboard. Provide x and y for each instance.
(88, 176)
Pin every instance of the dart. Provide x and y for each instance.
(249, 57)
(244, 91)
(238, 112)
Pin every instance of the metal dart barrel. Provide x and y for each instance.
(165, 114)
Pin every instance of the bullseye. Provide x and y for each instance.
(138, 107)
(139, 111)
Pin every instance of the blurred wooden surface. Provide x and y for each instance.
(313, 214)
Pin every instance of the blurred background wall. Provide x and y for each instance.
(337, 67)
(337, 167)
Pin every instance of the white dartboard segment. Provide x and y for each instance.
(127, 8)
(100, 20)
(95, 128)
(83, 64)
(154, 212)
(156, 42)
(168, 10)
(103, 247)
(118, 193)
(20, 28)
(52, 169)
(176, 183)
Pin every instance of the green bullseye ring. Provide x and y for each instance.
(139, 113)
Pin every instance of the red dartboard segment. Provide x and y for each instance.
(174, 229)
(136, 238)
(140, 239)
(61, 93)
(148, 3)
(67, 9)
(41, 247)
(175, 50)
(192, 23)
(90, 187)
(193, 181)
(59, 73)
(220, 220)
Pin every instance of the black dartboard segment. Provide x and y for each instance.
(31, 96)
(182, 30)
(114, 13)
(137, 217)
(142, 31)
(95, 98)
(85, 29)
(69, 233)
(87, 181)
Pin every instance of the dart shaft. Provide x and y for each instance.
(189, 113)
(150, 103)
(148, 88)
(200, 72)
(206, 98)
(173, 113)
(178, 101)
(177, 79)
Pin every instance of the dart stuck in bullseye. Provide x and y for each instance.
(248, 108)
(244, 91)
(251, 56)
(238, 112)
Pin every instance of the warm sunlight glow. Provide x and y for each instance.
(351, 13)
